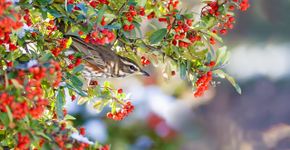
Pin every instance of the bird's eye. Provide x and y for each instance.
(133, 68)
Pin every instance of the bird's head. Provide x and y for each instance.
(128, 66)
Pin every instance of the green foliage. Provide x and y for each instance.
(32, 96)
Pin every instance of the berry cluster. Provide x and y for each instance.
(33, 102)
(183, 37)
(131, 15)
(95, 3)
(23, 142)
(62, 140)
(5, 100)
(7, 41)
(151, 15)
(105, 147)
(172, 5)
(56, 70)
(101, 37)
(27, 18)
(121, 114)
(76, 61)
(7, 23)
(61, 45)
(244, 4)
(202, 84)
(227, 20)
(51, 27)
(92, 3)
(180, 28)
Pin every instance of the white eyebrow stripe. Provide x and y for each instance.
(129, 63)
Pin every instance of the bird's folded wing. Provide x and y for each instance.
(93, 56)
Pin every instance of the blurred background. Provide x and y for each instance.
(168, 117)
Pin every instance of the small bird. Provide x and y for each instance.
(102, 62)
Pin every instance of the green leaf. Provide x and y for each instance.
(54, 12)
(101, 13)
(83, 100)
(83, 7)
(45, 57)
(69, 117)
(157, 36)
(43, 2)
(24, 58)
(78, 90)
(209, 21)
(4, 118)
(9, 114)
(70, 7)
(78, 69)
(43, 135)
(182, 70)
(113, 107)
(99, 105)
(222, 74)
(188, 16)
(76, 81)
(141, 2)
(215, 36)
(65, 5)
(107, 84)
(69, 42)
(113, 26)
(222, 56)
(59, 104)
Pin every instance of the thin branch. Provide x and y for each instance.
(118, 12)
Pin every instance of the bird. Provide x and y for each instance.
(101, 62)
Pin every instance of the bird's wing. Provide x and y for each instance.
(92, 53)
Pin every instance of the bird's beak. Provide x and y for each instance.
(144, 73)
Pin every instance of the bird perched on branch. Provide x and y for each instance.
(102, 62)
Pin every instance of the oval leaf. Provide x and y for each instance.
(157, 36)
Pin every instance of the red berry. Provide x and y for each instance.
(71, 66)
(103, 22)
(162, 20)
(73, 97)
(130, 19)
(71, 57)
(120, 91)
(174, 42)
(80, 32)
(189, 22)
(82, 131)
(209, 73)
(211, 64)
(126, 27)
(131, 27)
(212, 41)
(232, 7)
(110, 115)
(223, 31)
(94, 3)
(10, 64)
(78, 61)
(231, 19)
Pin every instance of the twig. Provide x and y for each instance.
(118, 12)
(157, 49)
